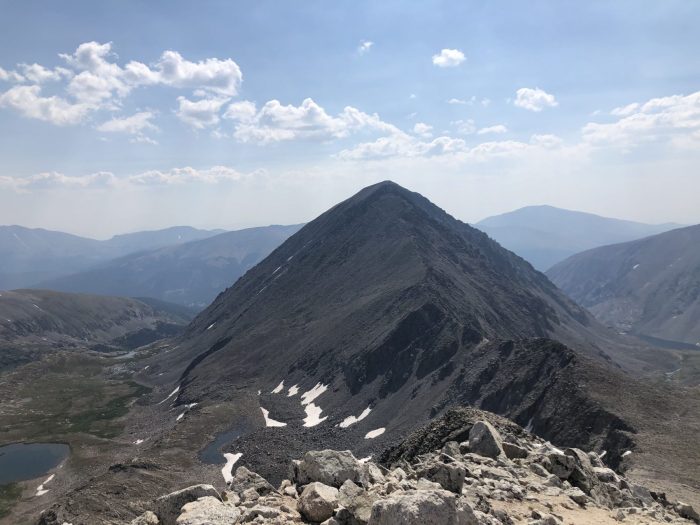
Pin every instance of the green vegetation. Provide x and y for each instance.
(9, 494)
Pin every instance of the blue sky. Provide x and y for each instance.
(231, 114)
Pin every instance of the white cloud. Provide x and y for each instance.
(96, 81)
(465, 127)
(200, 113)
(365, 47)
(457, 101)
(534, 99)
(275, 122)
(546, 140)
(10, 76)
(673, 120)
(623, 111)
(423, 129)
(469, 102)
(134, 124)
(498, 128)
(27, 100)
(105, 179)
(38, 74)
(449, 58)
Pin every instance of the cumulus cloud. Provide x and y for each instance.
(200, 114)
(423, 129)
(365, 47)
(96, 81)
(135, 125)
(28, 101)
(465, 127)
(498, 128)
(534, 99)
(671, 120)
(448, 58)
(275, 122)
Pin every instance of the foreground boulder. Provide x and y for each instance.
(207, 510)
(318, 501)
(168, 508)
(330, 467)
(427, 507)
(485, 440)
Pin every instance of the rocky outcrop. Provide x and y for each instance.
(484, 479)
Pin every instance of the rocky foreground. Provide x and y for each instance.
(482, 473)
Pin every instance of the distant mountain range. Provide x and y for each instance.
(32, 255)
(35, 321)
(545, 235)
(649, 287)
(191, 273)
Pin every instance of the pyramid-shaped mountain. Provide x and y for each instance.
(382, 313)
(384, 285)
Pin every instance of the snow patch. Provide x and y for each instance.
(635, 266)
(138, 441)
(313, 415)
(40, 490)
(177, 389)
(294, 390)
(227, 469)
(308, 397)
(210, 326)
(277, 270)
(626, 453)
(365, 460)
(528, 427)
(351, 420)
(180, 416)
(269, 422)
(375, 433)
(278, 388)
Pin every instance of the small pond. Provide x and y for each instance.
(23, 461)
(212, 454)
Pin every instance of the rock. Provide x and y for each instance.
(451, 449)
(449, 475)
(686, 511)
(577, 495)
(485, 440)
(245, 480)
(260, 511)
(318, 501)
(606, 475)
(514, 451)
(329, 467)
(207, 510)
(539, 470)
(561, 465)
(437, 507)
(374, 473)
(167, 507)
(147, 518)
(357, 501)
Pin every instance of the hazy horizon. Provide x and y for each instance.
(231, 116)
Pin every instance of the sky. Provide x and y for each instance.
(122, 116)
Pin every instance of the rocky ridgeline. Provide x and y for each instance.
(491, 477)
(485, 479)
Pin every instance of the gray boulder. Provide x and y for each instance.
(437, 507)
(449, 475)
(357, 501)
(167, 507)
(514, 451)
(330, 467)
(561, 465)
(318, 501)
(207, 510)
(244, 482)
(147, 518)
(485, 440)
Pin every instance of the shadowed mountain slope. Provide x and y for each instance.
(649, 287)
